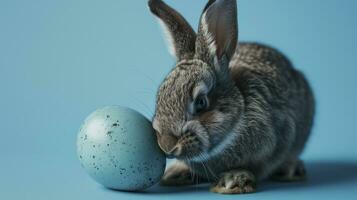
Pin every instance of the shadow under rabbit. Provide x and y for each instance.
(320, 173)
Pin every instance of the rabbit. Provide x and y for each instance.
(231, 114)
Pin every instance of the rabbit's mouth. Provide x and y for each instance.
(184, 147)
(188, 147)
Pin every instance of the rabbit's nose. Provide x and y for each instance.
(167, 143)
(174, 152)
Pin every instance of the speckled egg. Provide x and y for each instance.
(117, 147)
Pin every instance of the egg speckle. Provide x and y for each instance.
(117, 147)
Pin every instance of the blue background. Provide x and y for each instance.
(60, 60)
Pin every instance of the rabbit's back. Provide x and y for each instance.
(277, 94)
(260, 69)
(263, 68)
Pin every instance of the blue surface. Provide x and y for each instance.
(60, 60)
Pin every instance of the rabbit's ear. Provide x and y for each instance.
(180, 35)
(218, 31)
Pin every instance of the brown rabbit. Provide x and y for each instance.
(230, 114)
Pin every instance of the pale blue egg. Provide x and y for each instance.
(117, 147)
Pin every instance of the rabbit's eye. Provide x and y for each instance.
(200, 103)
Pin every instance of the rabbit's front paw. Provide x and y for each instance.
(179, 174)
(291, 171)
(235, 182)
